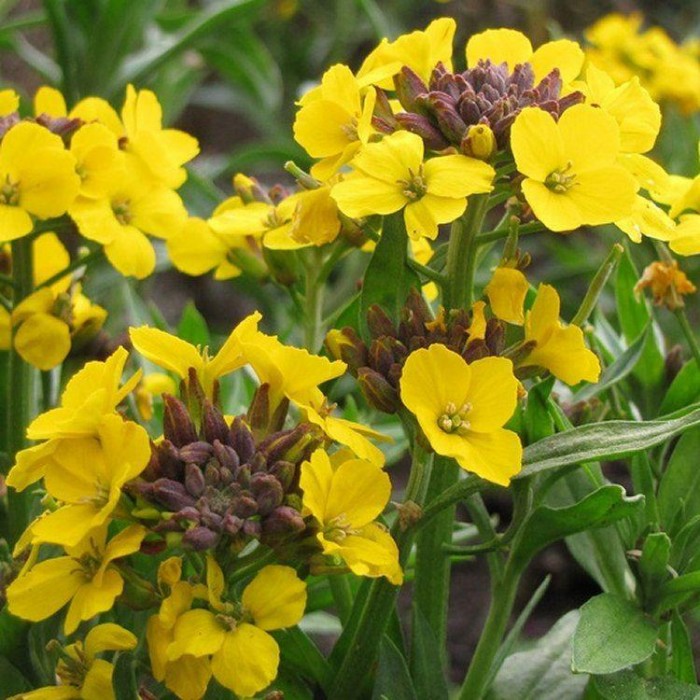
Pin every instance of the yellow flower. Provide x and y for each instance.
(462, 408)
(178, 356)
(512, 47)
(336, 121)
(571, 174)
(558, 348)
(421, 51)
(346, 499)
(667, 284)
(506, 292)
(82, 676)
(187, 676)
(391, 175)
(90, 396)
(86, 577)
(37, 178)
(132, 207)
(87, 476)
(48, 100)
(244, 657)
(9, 102)
(98, 158)
(637, 115)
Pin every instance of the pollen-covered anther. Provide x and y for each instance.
(122, 212)
(454, 420)
(415, 187)
(562, 180)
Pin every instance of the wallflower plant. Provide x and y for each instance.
(273, 511)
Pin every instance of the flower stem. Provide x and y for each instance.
(480, 671)
(313, 297)
(358, 644)
(461, 254)
(21, 389)
(688, 333)
(342, 595)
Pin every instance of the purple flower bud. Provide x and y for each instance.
(244, 506)
(408, 87)
(200, 538)
(212, 477)
(347, 346)
(422, 126)
(380, 356)
(231, 524)
(177, 424)
(284, 472)
(377, 390)
(171, 494)
(226, 456)
(267, 491)
(213, 424)
(196, 452)
(283, 521)
(252, 528)
(194, 480)
(241, 439)
(258, 415)
(169, 463)
(378, 322)
(190, 513)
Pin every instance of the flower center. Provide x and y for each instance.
(122, 212)
(415, 187)
(561, 181)
(338, 529)
(9, 192)
(454, 420)
(350, 130)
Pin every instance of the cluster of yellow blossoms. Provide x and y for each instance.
(238, 490)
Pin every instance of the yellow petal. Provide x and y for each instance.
(131, 253)
(591, 137)
(275, 598)
(537, 144)
(458, 176)
(372, 552)
(563, 54)
(43, 341)
(165, 350)
(496, 456)
(492, 394)
(506, 292)
(98, 681)
(247, 661)
(499, 46)
(14, 223)
(108, 637)
(48, 100)
(197, 633)
(604, 195)
(188, 677)
(557, 211)
(196, 249)
(392, 158)
(360, 195)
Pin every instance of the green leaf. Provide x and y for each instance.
(12, 681)
(679, 489)
(628, 685)
(216, 15)
(302, 656)
(611, 635)
(653, 564)
(388, 279)
(192, 327)
(124, 678)
(393, 679)
(678, 590)
(543, 671)
(682, 657)
(617, 371)
(536, 417)
(426, 664)
(545, 525)
(601, 441)
(684, 389)
(40, 634)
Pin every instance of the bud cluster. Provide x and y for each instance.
(378, 366)
(445, 111)
(218, 482)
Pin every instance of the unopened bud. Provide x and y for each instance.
(213, 424)
(284, 472)
(231, 524)
(479, 142)
(245, 506)
(283, 520)
(347, 346)
(495, 336)
(423, 127)
(252, 528)
(226, 456)
(378, 322)
(194, 480)
(178, 427)
(171, 494)
(409, 86)
(377, 390)
(450, 122)
(200, 538)
(258, 415)
(241, 439)
(196, 452)
(267, 492)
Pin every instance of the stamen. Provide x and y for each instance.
(453, 420)
(561, 181)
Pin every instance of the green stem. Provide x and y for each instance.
(313, 298)
(590, 300)
(426, 271)
(461, 254)
(21, 394)
(688, 333)
(502, 232)
(85, 261)
(431, 585)
(480, 671)
(64, 45)
(342, 595)
(358, 644)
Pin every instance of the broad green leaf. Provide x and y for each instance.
(543, 671)
(682, 657)
(40, 634)
(536, 417)
(627, 685)
(426, 663)
(124, 678)
(192, 327)
(11, 680)
(612, 634)
(617, 371)
(679, 489)
(678, 590)
(685, 549)
(393, 679)
(601, 441)
(684, 389)
(388, 279)
(545, 525)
